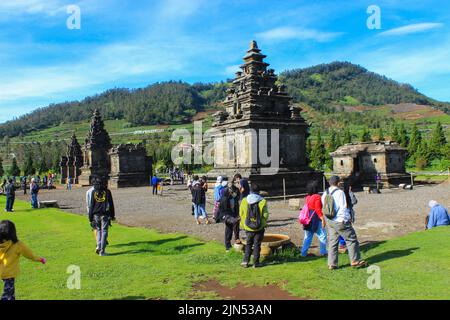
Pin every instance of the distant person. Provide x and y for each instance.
(316, 219)
(199, 201)
(254, 214)
(10, 192)
(24, 185)
(217, 193)
(10, 251)
(438, 216)
(244, 187)
(190, 185)
(155, 183)
(34, 190)
(69, 184)
(101, 213)
(338, 221)
(4, 183)
(204, 182)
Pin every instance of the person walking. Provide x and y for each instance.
(254, 214)
(10, 251)
(199, 202)
(101, 213)
(338, 221)
(316, 221)
(351, 202)
(34, 190)
(10, 192)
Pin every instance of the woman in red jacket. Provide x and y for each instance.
(317, 224)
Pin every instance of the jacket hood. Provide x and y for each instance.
(254, 198)
(5, 245)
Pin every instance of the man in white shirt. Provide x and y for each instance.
(340, 225)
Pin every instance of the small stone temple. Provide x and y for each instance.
(71, 164)
(126, 165)
(130, 166)
(361, 162)
(95, 151)
(257, 108)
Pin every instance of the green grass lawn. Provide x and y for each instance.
(146, 264)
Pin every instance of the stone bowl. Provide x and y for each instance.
(271, 242)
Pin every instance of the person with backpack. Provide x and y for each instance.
(10, 251)
(351, 202)
(312, 219)
(254, 214)
(199, 201)
(101, 213)
(34, 190)
(338, 221)
(10, 192)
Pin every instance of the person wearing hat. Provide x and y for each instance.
(339, 223)
(438, 216)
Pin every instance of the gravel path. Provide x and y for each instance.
(378, 216)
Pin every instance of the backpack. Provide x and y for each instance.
(253, 220)
(306, 215)
(328, 206)
(224, 208)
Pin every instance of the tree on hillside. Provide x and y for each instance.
(318, 153)
(14, 170)
(28, 168)
(395, 134)
(2, 171)
(43, 166)
(403, 136)
(347, 136)
(366, 136)
(380, 134)
(422, 156)
(437, 142)
(415, 141)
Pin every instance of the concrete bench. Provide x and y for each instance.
(49, 204)
(295, 204)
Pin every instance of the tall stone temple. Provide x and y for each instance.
(259, 122)
(71, 164)
(95, 151)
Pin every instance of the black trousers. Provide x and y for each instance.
(155, 189)
(254, 240)
(231, 228)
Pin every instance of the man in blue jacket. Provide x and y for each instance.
(438, 215)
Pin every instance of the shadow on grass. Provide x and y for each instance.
(389, 255)
(156, 242)
(288, 256)
(158, 251)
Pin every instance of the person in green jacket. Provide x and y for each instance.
(254, 214)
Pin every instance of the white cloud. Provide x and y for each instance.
(231, 70)
(49, 7)
(288, 33)
(412, 28)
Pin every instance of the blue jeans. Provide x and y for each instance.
(9, 203)
(321, 234)
(342, 242)
(34, 201)
(102, 226)
(9, 290)
(199, 209)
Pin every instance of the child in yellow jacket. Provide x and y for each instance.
(10, 251)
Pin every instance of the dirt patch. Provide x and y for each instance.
(241, 292)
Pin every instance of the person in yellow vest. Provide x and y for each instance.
(10, 251)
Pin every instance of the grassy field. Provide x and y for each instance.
(144, 264)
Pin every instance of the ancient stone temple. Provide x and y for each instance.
(360, 163)
(71, 164)
(95, 152)
(130, 166)
(260, 134)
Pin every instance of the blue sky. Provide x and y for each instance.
(136, 43)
